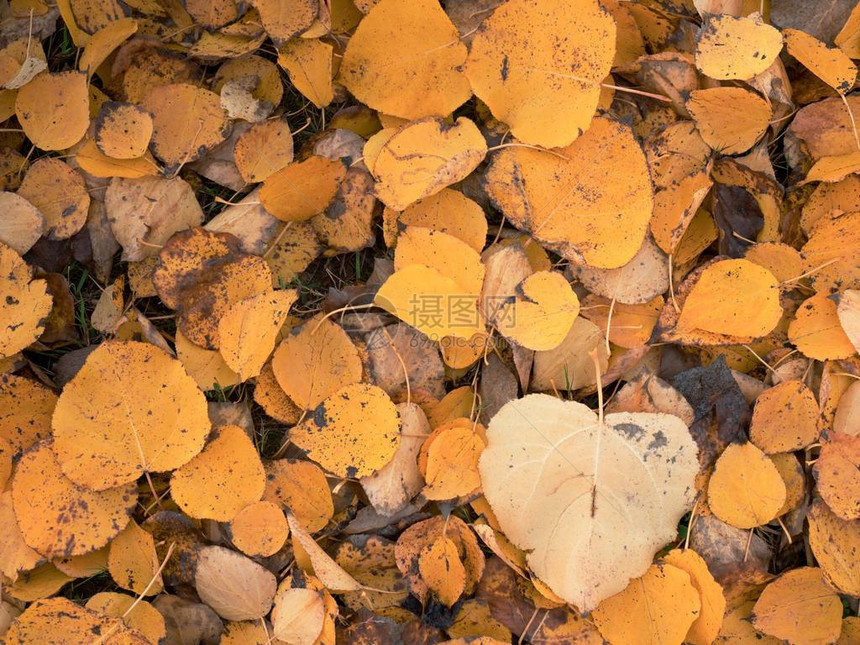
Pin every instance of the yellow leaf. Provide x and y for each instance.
(433, 303)
(541, 314)
(405, 59)
(745, 490)
(52, 618)
(835, 543)
(785, 418)
(799, 607)
(221, 480)
(122, 130)
(54, 109)
(735, 298)
(817, 332)
(424, 157)
(248, 330)
(730, 119)
(187, 120)
(442, 570)
(829, 64)
(300, 190)
(352, 433)
(314, 360)
(707, 625)
(563, 482)
(530, 62)
(132, 561)
(44, 498)
(660, 607)
(575, 203)
(329, 572)
(308, 61)
(260, 529)
(736, 48)
(130, 409)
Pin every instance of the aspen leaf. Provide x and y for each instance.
(284, 19)
(829, 251)
(452, 461)
(46, 620)
(659, 607)
(130, 409)
(298, 615)
(785, 418)
(314, 360)
(54, 109)
(309, 64)
(412, 542)
(22, 224)
(799, 607)
(300, 190)
(562, 448)
(838, 476)
(329, 572)
(144, 213)
(247, 331)
(542, 312)
(263, 149)
(236, 587)
(835, 542)
(574, 202)
(352, 433)
(122, 130)
(829, 64)
(95, 162)
(60, 194)
(782, 260)
(221, 480)
(817, 332)
(729, 47)
(707, 624)
(794, 478)
(442, 570)
(630, 326)
(730, 119)
(745, 490)
(846, 419)
(433, 303)
(445, 253)
(405, 60)
(302, 488)
(104, 42)
(424, 157)
(370, 560)
(133, 563)
(529, 62)
(448, 211)
(260, 529)
(24, 304)
(733, 297)
(44, 498)
(187, 120)
(141, 616)
(42, 582)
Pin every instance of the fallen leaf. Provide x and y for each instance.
(523, 456)
(236, 587)
(131, 409)
(529, 62)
